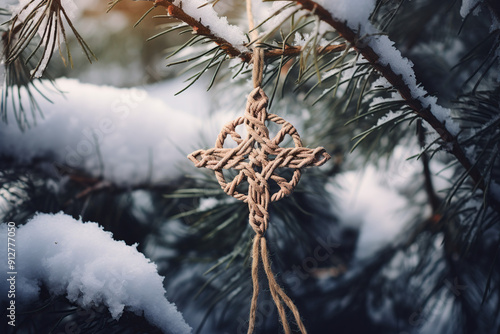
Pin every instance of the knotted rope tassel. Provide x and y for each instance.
(259, 251)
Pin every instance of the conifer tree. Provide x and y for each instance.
(410, 87)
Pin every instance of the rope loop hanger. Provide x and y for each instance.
(252, 153)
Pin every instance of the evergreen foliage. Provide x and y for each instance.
(440, 275)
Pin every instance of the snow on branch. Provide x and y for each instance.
(351, 20)
(128, 137)
(468, 6)
(205, 21)
(82, 262)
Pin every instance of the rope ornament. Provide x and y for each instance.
(257, 157)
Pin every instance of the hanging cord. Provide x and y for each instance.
(259, 218)
(258, 53)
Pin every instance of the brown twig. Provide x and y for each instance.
(397, 82)
(198, 27)
(92, 184)
(292, 51)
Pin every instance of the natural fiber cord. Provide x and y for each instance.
(258, 53)
(251, 154)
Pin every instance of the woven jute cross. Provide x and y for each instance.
(257, 158)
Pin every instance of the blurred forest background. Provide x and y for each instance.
(392, 237)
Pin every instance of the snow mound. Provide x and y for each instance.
(127, 136)
(84, 263)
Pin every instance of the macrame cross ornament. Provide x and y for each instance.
(257, 158)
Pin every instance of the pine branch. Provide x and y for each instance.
(433, 198)
(17, 77)
(199, 28)
(398, 83)
(46, 19)
(29, 40)
(246, 56)
(293, 51)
